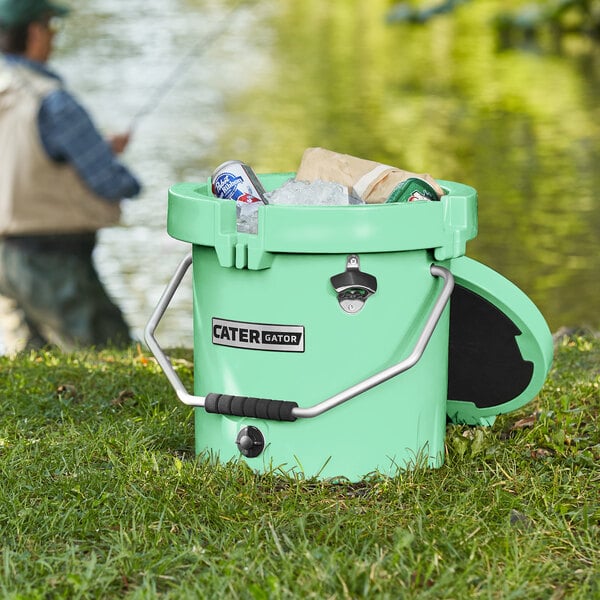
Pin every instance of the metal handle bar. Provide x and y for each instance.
(282, 410)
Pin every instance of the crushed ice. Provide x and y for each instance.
(301, 193)
(312, 193)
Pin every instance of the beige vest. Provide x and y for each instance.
(38, 195)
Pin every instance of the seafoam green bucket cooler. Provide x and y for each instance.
(322, 342)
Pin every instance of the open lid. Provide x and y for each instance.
(500, 348)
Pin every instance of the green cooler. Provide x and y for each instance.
(338, 341)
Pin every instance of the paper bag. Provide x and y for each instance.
(371, 181)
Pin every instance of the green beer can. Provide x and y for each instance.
(413, 189)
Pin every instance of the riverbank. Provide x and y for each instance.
(102, 496)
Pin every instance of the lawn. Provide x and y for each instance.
(101, 496)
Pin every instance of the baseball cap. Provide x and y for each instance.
(19, 12)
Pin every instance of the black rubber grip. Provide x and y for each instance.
(244, 406)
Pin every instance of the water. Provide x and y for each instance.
(521, 126)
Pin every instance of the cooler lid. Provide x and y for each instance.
(500, 347)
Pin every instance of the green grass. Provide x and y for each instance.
(101, 497)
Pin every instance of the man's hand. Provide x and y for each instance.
(118, 142)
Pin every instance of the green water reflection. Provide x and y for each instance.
(522, 127)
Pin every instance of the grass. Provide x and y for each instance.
(101, 497)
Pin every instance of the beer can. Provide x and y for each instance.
(235, 180)
(413, 189)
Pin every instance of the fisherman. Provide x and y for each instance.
(60, 182)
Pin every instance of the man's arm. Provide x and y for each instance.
(69, 135)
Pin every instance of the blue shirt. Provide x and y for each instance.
(68, 135)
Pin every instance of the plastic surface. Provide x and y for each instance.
(391, 426)
(268, 324)
(281, 277)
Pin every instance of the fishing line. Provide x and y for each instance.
(193, 53)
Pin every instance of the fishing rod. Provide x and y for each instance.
(193, 53)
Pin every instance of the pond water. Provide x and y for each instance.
(261, 81)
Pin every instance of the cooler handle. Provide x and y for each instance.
(283, 410)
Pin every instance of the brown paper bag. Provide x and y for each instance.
(371, 181)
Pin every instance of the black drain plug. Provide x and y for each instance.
(250, 441)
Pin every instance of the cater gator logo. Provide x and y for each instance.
(258, 336)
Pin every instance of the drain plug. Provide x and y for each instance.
(250, 441)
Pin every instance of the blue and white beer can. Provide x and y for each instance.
(235, 180)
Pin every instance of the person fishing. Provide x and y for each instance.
(60, 182)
